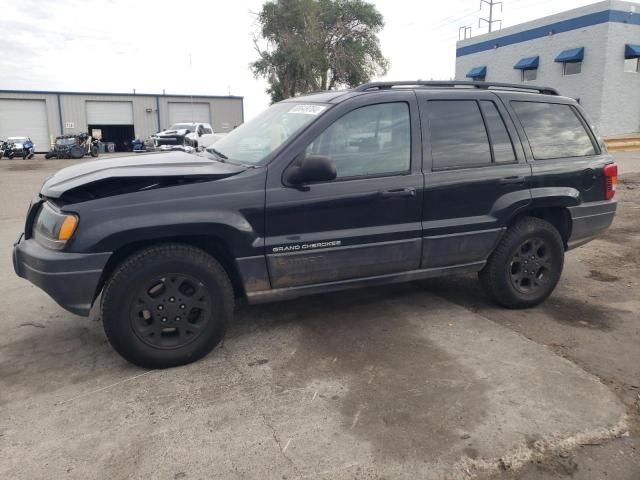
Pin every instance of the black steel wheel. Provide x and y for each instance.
(167, 305)
(171, 311)
(526, 266)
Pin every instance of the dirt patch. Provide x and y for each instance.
(20, 167)
(579, 313)
(602, 276)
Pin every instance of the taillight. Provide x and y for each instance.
(610, 173)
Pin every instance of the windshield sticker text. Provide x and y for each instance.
(308, 109)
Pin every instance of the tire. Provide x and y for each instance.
(143, 300)
(94, 151)
(508, 277)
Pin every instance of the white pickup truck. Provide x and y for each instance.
(196, 135)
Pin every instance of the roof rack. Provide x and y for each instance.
(453, 84)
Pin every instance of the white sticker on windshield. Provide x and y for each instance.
(308, 109)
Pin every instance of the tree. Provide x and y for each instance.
(310, 45)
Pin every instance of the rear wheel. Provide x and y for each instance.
(526, 265)
(166, 306)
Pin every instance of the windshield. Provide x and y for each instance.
(65, 141)
(183, 126)
(254, 140)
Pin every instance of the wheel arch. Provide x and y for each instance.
(557, 215)
(211, 244)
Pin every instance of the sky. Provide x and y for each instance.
(205, 46)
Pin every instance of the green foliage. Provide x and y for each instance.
(310, 45)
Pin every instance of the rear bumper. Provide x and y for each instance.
(70, 279)
(589, 220)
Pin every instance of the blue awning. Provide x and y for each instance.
(631, 51)
(529, 63)
(477, 72)
(571, 55)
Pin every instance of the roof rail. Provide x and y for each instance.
(454, 84)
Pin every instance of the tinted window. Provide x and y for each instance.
(553, 130)
(500, 140)
(458, 136)
(368, 141)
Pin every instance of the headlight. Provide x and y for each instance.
(52, 228)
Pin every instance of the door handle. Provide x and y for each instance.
(399, 193)
(516, 180)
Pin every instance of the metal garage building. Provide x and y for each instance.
(120, 117)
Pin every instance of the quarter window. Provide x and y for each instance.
(500, 141)
(458, 136)
(371, 140)
(553, 130)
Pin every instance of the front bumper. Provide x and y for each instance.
(71, 279)
(589, 220)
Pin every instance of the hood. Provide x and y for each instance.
(149, 170)
(172, 132)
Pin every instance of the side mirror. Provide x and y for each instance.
(315, 168)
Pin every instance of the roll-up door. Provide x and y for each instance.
(109, 113)
(25, 118)
(181, 112)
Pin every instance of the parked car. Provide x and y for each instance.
(19, 147)
(384, 183)
(73, 146)
(188, 134)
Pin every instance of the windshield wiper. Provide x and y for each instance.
(218, 153)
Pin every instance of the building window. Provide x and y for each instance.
(529, 75)
(571, 68)
(632, 65)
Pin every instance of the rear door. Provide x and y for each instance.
(477, 177)
(366, 222)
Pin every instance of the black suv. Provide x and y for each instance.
(384, 183)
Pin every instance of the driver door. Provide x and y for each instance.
(366, 222)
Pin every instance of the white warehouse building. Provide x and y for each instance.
(591, 54)
(119, 117)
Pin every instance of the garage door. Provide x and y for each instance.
(20, 118)
(189, 112)
(109, 113)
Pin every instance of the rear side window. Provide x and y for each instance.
(458, 136)
(553, 130)
(500, 141)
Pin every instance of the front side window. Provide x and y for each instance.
(372, 140)
(632, 65)
(553, 130)
(571, 68)
(529, 75)
(458, 136)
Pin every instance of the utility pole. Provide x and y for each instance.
(490, 21)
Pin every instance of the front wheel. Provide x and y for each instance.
(525, 267)
(94, 151)
(166, 306)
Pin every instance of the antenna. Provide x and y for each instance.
(462, 32)
(490, 21)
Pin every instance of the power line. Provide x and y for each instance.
(490, 21)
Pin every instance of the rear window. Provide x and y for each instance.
(553, 130)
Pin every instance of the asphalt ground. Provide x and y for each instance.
(423, 380)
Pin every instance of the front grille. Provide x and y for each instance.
(169, 141)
